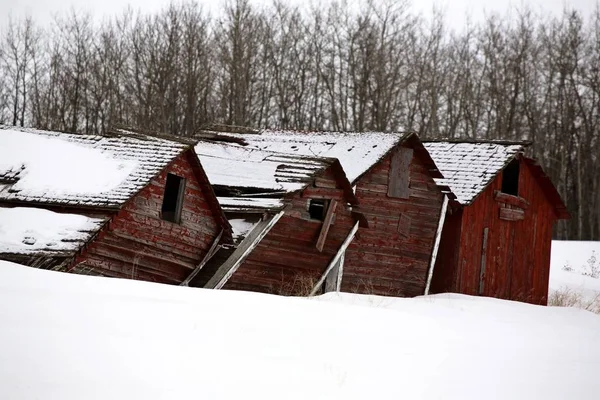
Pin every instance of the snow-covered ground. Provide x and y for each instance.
(79, 337)
(571, 265)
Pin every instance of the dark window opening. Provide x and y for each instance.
(173, 198)
(510, 178)
(317, 209)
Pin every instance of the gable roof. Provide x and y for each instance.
(90, 171)
(469, 167)
(356, 151)
(79, 170)
(248, 178)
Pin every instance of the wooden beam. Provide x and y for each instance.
(436, 244)
(511, 214)
(326, 225)
(333, 283)
(510, 199)
(340, 253)
(242, 252)
(211, 252)
(399, 175)
(483, 261)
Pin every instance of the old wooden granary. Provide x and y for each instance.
(395, 196)
(497, 234)
(291, 217)
(121, 205)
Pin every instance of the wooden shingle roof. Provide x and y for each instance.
(469, 167)
(249, 178)
(79, 170)
(356, 151)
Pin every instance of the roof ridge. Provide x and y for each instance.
(507, 142)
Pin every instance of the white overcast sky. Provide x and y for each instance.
(43, 10)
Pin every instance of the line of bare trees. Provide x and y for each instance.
(376, 68)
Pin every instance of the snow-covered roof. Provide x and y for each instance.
(233, 165)
(79, 170)
(250, 204)
(356, 151)
(468, 167)
(26, 230)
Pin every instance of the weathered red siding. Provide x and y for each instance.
(391, 257)
(517, 254)
(287, 261)
(138, 244)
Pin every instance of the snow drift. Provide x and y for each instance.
(73, 337)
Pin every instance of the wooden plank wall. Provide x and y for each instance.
(287, 260)
(391, 256)
(532, 241)
(517, 253)
(140, 245)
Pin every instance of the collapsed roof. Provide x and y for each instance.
(248, 178)
(42, 238)
(356, 151)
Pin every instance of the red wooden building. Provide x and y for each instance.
(291, 217)
(121, 205)
(497, 234)
(396, 196)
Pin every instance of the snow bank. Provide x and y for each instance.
(28, 230)
(73, 337)
(575, 256)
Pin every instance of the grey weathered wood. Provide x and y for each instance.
(436, 244)
(338, 284)
(483, 261)
(399, 176)
(244, 249)
(211, 252)
(333, 282)
(509, 214)
(340, 253)
(326, 225)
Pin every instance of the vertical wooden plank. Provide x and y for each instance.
(510, 248)
(334, 278)
(326, 225)
(399, 175)
(483, 261)
(338, 286)
(404, 223)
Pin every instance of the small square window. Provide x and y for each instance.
(173, 198)
(510, 178)
(317, 208)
